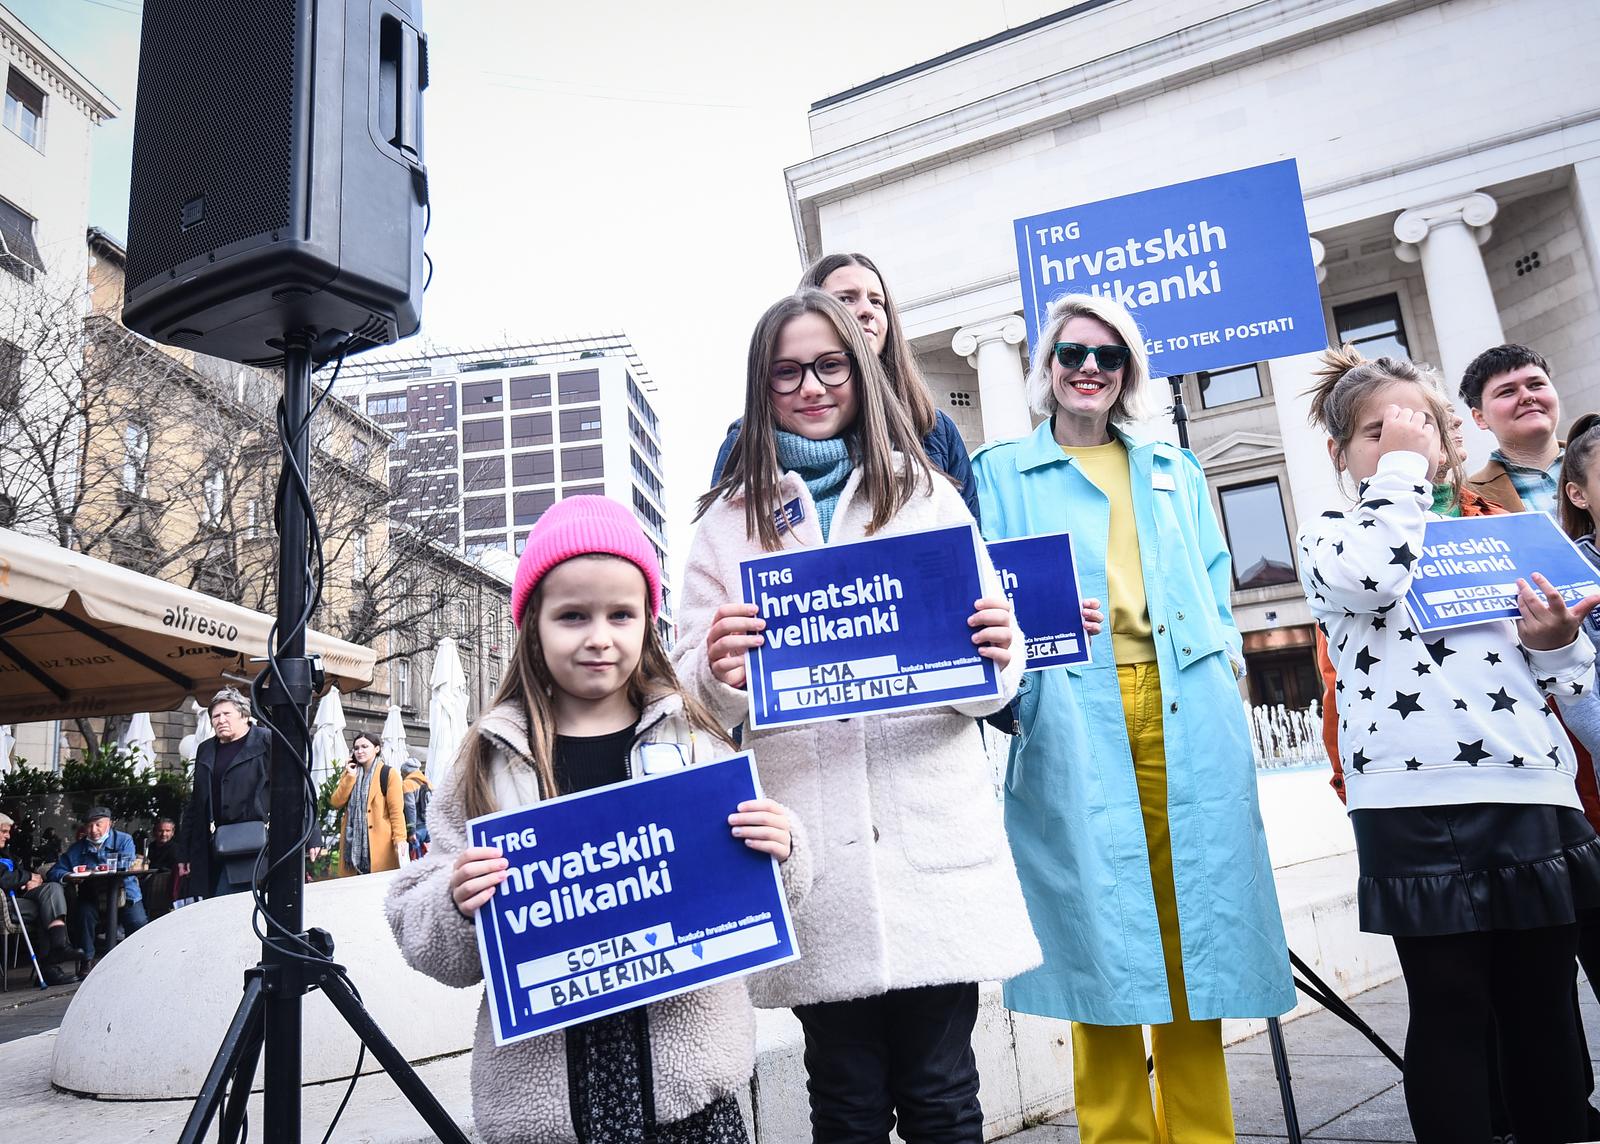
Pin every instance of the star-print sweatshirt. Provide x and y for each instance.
(1456, 716)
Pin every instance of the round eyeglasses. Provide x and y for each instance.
(831, 369)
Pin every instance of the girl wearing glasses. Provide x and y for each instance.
(915, 897)
(1131, 793)
(854, 279)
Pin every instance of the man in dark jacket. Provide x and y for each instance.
(45, 900)
(231, 780)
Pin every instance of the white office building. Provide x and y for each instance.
(1449, 156)
(487, 440)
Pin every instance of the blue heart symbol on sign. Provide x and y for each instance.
(698, 949)
(651, 938)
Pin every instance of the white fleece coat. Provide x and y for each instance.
(913, 880)
(702, 1044)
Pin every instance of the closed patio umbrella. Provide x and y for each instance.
(447, 711)
(329, 750)
(138, 741)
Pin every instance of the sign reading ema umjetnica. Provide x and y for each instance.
(1217, 271)
(1468, 568)
(624, 895)
(864, 627)
(1040, 578)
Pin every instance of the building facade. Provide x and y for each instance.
(486, 441)
(1452, 207)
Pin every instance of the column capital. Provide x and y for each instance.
(1007, 328)
(1475, 211)
(1318, 253)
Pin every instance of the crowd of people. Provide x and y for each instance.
(211, 852)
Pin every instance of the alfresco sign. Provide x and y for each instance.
(183, 620)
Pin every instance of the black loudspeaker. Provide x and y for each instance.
(278, 182)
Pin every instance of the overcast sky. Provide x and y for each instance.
(611, 165)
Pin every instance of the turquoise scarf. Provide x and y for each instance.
(823, 465)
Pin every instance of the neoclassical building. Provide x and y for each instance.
(1449, 156)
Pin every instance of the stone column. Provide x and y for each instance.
(990, 348)
(1586, 201)
(1445, 238)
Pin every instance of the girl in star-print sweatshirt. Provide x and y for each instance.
(1474, 854)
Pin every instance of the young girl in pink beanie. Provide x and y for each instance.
(590, 699)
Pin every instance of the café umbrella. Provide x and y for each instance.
(7, 741)
(81, 637)
(447, 711)
(329, 751)
(138, 742)
(394, 739)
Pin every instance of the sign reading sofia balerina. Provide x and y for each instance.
(1217, 271)
(623, 895)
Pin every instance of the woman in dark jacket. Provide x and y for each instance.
(854, 280)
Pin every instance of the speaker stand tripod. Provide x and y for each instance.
(267, 1023)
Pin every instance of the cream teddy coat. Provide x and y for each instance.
(913, 883)
(702, 1044)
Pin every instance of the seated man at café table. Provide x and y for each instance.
(43, 900)
(162, 852)
(101, 845)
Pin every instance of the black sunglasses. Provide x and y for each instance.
(1072, 355)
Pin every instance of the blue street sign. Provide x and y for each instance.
(869, 626)
(1468, 568)
(1040, 577)
(1217, 271)
(624, 895)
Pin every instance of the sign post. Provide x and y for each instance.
(871, 626)
(1218, 271)
(624, 895)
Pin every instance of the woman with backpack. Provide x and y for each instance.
(372, 829)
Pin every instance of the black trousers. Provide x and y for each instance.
(907, 1054)
(1518, 983)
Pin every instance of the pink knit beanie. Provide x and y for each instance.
(580, 526)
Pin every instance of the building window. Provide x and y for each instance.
(1258, 534)
(19, 254)
(527, 508)
(580, 424)
(580, 386)
(477, 547)
(1226, 386)
(386, 404)
(530, 392)
(647, 511)
(10, 375)
(8, 515)
(484, 473)
(252, 520)
(215, 491)
(135, 458)
(641, 438)
(402, 682)
(481, 436)
(597, 490)
(358, 554)
(485, 512)
(637, 397)
(24, 114)
(1374, 327)
(480, 397)
(530, 429)
(584, 464)
(642, 471)
(533, 468)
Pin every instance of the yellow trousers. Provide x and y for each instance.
(1191, 1104)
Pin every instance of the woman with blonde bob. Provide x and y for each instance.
(1130, 795)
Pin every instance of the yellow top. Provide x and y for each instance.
(1107, 467)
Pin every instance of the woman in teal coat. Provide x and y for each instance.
(1131, 792)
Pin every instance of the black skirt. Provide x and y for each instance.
(1427, 871)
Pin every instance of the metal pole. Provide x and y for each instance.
(1180, 414)
(285, 858)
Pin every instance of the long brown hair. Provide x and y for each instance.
(899, 363)
(1576, 464)
(882, 427)
(1345, 380)
(529, 685)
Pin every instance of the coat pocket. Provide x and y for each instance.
(945, 813)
